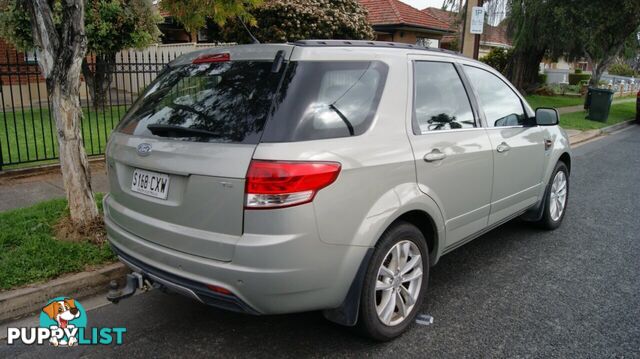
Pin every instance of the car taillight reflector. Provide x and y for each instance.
(277, 184)
(208, 58)
(220, 290)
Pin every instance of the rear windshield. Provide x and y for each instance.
(231, 101)
(220, 102)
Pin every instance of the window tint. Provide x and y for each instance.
(218, 102)
(502, 107)
(440, 102)
(326, 99)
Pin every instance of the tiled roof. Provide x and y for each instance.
(495, 35)
(395, 12)
(448, 17)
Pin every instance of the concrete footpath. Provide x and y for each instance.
(578, 108)
(23, 190)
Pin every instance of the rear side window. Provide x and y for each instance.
(214, 102)
(440, 100)
(326, 99)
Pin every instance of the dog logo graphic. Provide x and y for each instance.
(64, 316)
(63, 323)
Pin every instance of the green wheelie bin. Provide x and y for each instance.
(598, 102)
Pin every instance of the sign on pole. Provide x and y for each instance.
(477, 20)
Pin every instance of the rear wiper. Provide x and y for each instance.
(343, 118)
(179, 131)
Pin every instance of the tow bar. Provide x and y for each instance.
(134, 281)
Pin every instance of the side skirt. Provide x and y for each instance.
(485, 230)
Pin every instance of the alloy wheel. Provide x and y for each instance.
(398, 283)
(558, 196)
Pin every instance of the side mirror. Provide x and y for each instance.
(547, 116)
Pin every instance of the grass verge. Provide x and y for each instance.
(30, 251)
(553, 101)
(619, 112)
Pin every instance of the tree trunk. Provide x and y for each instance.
(61, 52)
(596, 74)
(523, 68)
(74, 164)
(99, 78)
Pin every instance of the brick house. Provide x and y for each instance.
(393, 20)
(14, 61)
(21, 83)
(494, 37)
(450, 41)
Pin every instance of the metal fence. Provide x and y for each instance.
(27, 129)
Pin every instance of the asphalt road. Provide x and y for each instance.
(515, 292)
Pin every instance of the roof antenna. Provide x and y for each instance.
(253, 38)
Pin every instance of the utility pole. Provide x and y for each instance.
(470, 42)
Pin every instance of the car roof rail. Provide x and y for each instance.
(367, 43)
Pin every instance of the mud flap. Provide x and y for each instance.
(347, 313)
(535, 214)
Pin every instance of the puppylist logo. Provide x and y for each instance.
(63, 322)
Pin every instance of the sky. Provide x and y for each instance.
(421, 4)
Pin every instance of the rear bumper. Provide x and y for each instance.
(185, 286)
(269, 274)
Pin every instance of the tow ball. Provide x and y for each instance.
(134, 281)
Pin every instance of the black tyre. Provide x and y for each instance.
(395, 283)
(557, 198)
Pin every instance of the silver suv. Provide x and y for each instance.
(324, 175)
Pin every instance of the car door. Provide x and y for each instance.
(518, 150)
(452, 151)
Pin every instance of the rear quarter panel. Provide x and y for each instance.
(377, 182)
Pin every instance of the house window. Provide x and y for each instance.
(30, 57)
(202, 35)
(427, 42)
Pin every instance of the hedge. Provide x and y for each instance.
(542, 79)
(574, 79)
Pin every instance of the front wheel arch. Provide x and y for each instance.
(566, 158)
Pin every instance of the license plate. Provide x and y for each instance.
(150, 183)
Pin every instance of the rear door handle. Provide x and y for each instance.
(503, 147)
(434, 155)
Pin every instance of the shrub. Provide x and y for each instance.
(542, 79)
(497, 58)
(621, 70)
(545, 90)
(574, 79)
(574, 88)
(292, 20)
(578, 71)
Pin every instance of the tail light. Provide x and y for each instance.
(277, 184)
